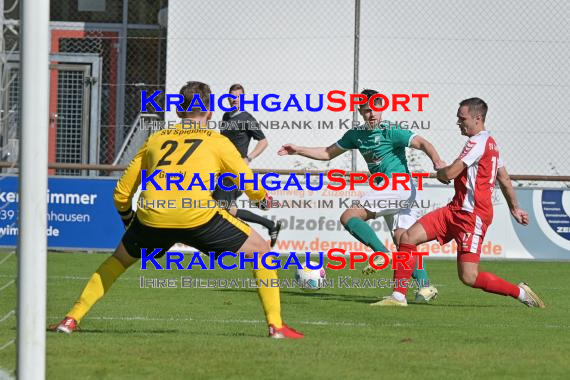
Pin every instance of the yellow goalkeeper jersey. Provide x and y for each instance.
(190, 152)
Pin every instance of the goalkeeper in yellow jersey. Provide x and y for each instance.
(188, 150)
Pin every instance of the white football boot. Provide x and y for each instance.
(426, 294)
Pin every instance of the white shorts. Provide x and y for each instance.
(394, 205)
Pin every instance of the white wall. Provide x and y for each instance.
(513, 54)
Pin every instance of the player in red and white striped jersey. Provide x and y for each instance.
(466, 218)
(475, 184)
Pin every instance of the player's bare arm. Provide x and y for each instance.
(520, 215)
(425, 146)
(259, 148)
(451, 172)
(316, 153)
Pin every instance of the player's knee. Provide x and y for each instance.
(255, 243)
(468, 277)
(352, 213)
(398, 235)
(405, 238)
(260, 249)
(344, 218)
(123, 256)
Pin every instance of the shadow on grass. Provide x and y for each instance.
(463, 305)
(367, 299)
(118, 331)
(229, 334)
(142, 331)
(316, 295)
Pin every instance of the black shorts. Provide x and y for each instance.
(223, 195)
(221, 233)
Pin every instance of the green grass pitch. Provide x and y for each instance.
(211, 333)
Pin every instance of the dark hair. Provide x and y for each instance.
(475, 106)
(235, 87)
(369, 93)
(188, 91)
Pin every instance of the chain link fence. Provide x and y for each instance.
(273, 47)
(111, 48)
(512, 55)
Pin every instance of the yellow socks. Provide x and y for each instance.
(99, 283)
(102, 280)
(269, 296)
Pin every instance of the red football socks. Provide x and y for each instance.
(490, 283)
(401, 274)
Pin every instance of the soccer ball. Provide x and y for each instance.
(312, 279)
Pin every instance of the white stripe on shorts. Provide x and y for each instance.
(476, 234)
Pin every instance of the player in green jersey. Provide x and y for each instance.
(383, 147)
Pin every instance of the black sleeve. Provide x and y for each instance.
(253, 129)
(226, 116)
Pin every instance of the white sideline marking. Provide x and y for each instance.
(7, 344)
(314, 323)
(225, 321)
(71, 278)
(80, 278)
(7, 257)
(8, 315)
(7, 284)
